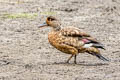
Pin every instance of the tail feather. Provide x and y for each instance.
(98, 46)
(100, 56)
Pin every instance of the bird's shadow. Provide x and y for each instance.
(81, 64)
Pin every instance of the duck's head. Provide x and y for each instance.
(52, 22)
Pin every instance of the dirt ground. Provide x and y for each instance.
(25, 53)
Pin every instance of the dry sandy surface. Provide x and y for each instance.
(25, 53)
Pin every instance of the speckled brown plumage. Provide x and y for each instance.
(71, 40)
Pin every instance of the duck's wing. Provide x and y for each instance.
(74, 32)
(72, 37)
(78, 38)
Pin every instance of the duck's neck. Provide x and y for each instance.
(58, 28)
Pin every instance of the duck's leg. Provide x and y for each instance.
(75, 59)
(70, 58)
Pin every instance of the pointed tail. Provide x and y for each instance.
(99, 56)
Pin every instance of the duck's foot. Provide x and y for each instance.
(75, 62)
(67, 62)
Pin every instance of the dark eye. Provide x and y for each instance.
(51, 19)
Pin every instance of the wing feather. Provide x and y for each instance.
(75, 38)
(74, 32)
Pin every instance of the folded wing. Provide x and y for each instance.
(79, 38)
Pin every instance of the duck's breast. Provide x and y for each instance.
(54, 38)
(57, 40)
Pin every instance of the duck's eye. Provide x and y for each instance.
(51, 19)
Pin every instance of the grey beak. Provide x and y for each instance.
(42, 25)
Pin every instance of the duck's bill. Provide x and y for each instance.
(42, 25)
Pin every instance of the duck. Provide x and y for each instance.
(72, 40)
